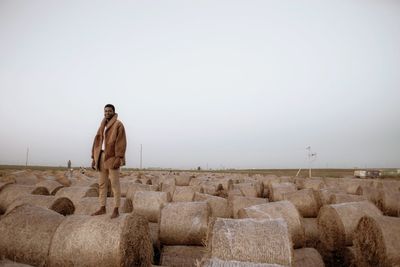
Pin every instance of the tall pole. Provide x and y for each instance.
(141, 154)
(309, 161)
(27, 156)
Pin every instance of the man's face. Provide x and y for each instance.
(108, 113)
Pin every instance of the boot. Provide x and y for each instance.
(115, 213)
(101, 211)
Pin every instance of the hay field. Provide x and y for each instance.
(199, 218)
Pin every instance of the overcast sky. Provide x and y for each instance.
(223, 84)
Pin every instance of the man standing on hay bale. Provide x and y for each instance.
(108, 155)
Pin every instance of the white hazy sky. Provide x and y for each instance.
(233, 84)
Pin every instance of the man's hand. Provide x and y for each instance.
(117, 163)
(93, 164)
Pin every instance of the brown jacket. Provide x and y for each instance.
(115, 143)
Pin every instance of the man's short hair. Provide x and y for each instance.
(110, 106)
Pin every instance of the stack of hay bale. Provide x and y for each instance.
(39, 237)
(213, 219)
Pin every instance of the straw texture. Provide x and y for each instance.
(219, 206)
(149, 203)
(237, 203)
(337, 222)
(184, 223)
(181, 256)
(376, 241)
(306, 201)
(257, 241)
(281, 209)
(82, 240)
(26, 233)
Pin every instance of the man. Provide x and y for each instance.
(108, 155)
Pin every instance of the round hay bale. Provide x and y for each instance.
(307, 257)
(266, 241)
(331, 182)
(234, 192)
(220, 263)
(218, 205)
(170, 188)
(388, 185)
(89, 205)
(149, 203)
(267, 181)
(64, 206)
(51, 186)
(177, 256)
(183, 180)
(370, 192)
(281, 209)
(337, 222)
(184, 223)
(197, 180)
(76, 193)
(306, 201)
(183, 194)
(146, 180)
(82, 240)
(210, 188)
(170, 180)
(197, 188)
(4, 184)
(350, 185)
(389, 202)
(26, 234)
(325, 194)
(286, 179)
(249, 184)
(11, 192)
(276, 190)
(299, 182)
(247, 189)
(315, 184)
(311, 233)
(133, 188)
(226, 183)
(346, 198)
(236, 203)
(40, 191)
(25, 178)
(124, 187)
(8, 263)
(376, 241)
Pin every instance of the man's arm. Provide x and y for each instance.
(120, 143)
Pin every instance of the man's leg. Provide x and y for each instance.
(114, 178)
(103, 176)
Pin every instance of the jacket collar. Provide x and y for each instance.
(110, 122)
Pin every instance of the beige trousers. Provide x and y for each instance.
(113, 175)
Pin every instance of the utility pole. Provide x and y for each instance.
(27, 156)
(141, 155)
(311, 158)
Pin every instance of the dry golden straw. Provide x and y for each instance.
(82, 240)
(184, 223)
(26, 234)
(376, 241)
(281, 209)
(249, 240)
